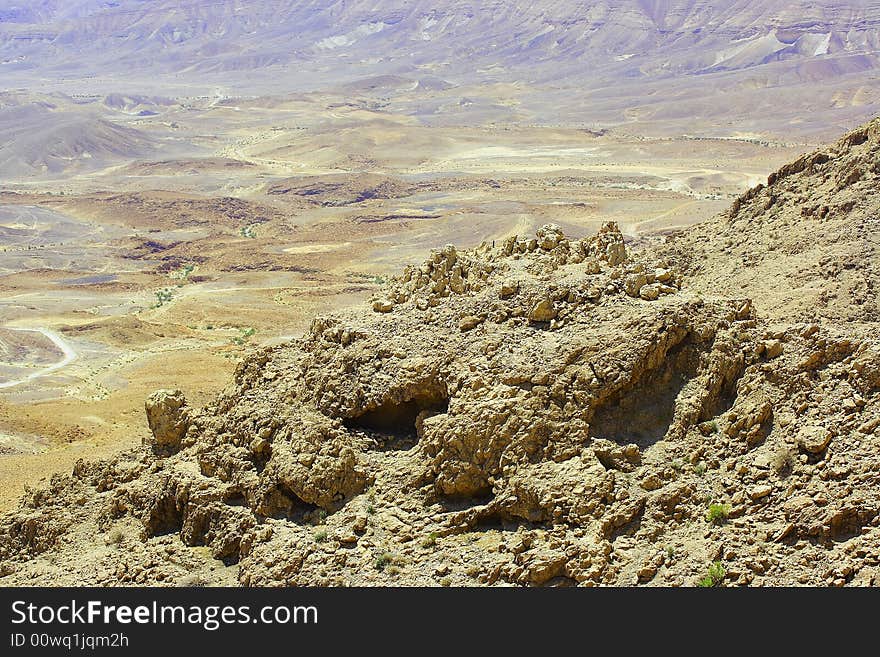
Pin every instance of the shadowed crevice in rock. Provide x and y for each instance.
(459, 503)
(629, 528)
(398, 419)
(725, 399)
(164, 517)
(849, 523)
(281, 503)
(235, 497)
(397, 425)
(504, 523)
(643, 413)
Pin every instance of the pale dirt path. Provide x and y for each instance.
(70, 355)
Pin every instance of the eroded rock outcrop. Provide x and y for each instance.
(167, 417)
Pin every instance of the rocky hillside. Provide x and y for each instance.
(805, 245)
(544, 412)
(689, 35)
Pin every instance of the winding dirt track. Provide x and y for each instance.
(69, 356)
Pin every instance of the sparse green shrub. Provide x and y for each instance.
(244, 337)
(430, 541)
(163, 296)
(718, 513)
(384, 560)
(184, 272)
(715, 576)
(321, 536)
(700, 468)
(446, 581)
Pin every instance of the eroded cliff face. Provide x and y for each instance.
(545, 412)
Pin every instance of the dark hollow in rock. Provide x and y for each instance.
(164, 517)
(399, 420)
(281, 503)
(481, 498)
(642, 414)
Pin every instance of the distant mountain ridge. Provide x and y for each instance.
(690, 36)
(609, 51)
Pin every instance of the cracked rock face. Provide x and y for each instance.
(548, 412)
(167, 417)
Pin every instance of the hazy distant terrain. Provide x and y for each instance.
(642, 62)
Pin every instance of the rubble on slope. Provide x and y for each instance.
(805, 245)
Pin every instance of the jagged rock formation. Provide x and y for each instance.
(167, 417)
(547, 412)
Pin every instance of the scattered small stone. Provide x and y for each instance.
(760, 492)
(383, 305)
(543, 311)
(650, 292)
(469, 322)
(814, 438)
(773, 349)
(509, 288)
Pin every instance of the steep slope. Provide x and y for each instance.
(805, 245)
(545, 412)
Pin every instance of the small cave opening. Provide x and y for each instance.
(395, 425)
(502, 522)
(643, 413)
(165, 517)
(724, 400)
(281, 503)
(451, 503)
(235, 497)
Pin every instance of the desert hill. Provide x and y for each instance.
(546, 411)
(805, 245)
(54, 137)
